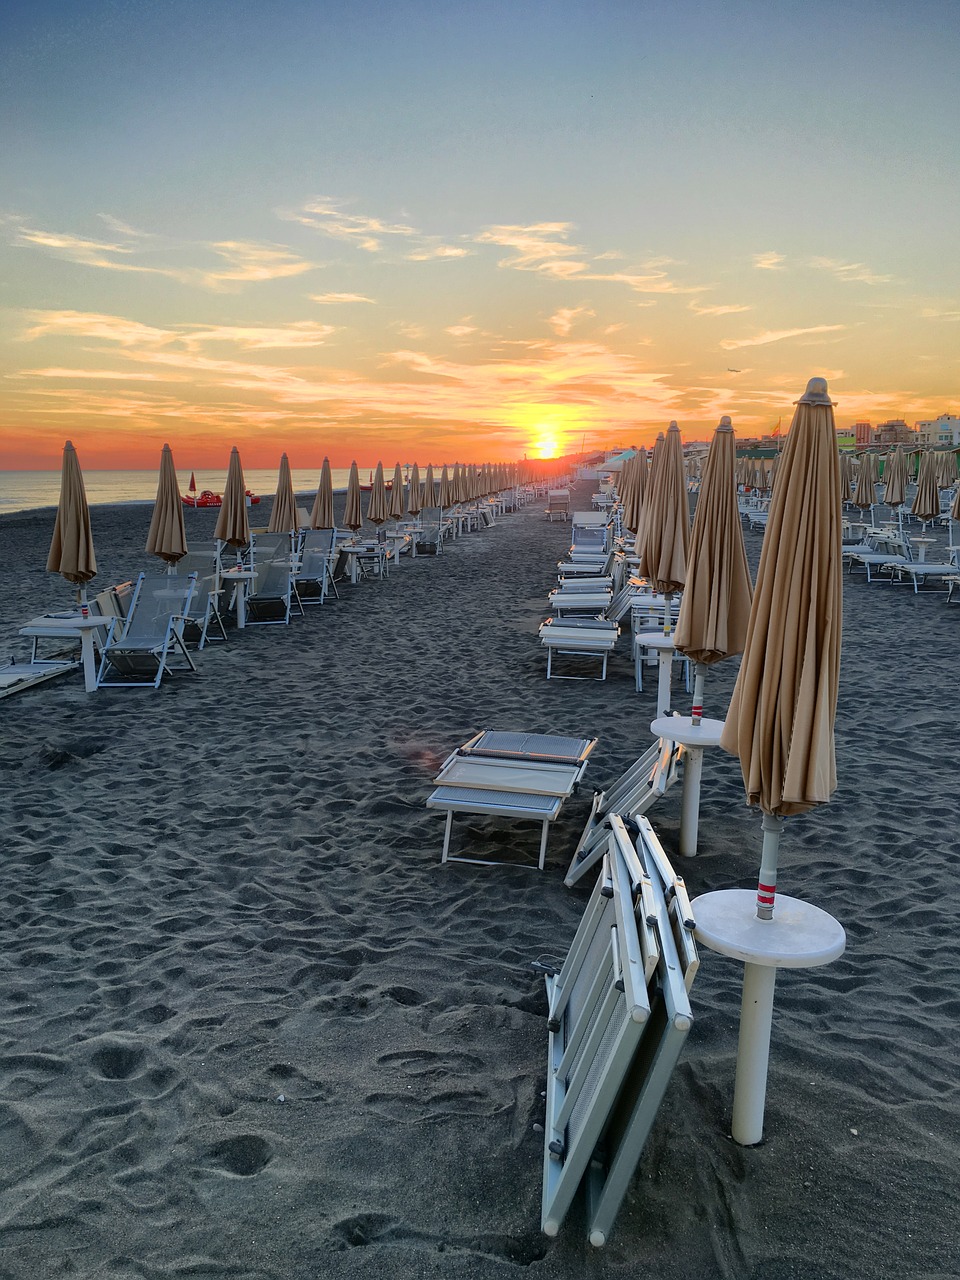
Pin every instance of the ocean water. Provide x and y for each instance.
(28, 490)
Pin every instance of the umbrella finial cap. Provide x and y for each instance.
(725, 423)
(816, 392)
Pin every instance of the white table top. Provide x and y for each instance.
(65, 623)
(653, 640)
(800, 935)
(682, 729)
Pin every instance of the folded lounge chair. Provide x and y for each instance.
(138, 652)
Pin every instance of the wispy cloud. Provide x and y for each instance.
(563, 320)
(247, 261)
(769, 261)
(543, 247)
(329, 218)
(930, 313)
(462, 330)
(778, 335)
(326, 298)
(699, 309)
(849, 271)
(433, 253)
(299, 333)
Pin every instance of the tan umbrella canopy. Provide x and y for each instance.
(429, 496)
(415, 501)
(321, 517)
(377, 502)
(352, 517)
(895, 478)
(662, 542)
(398, 495)
(233, 527)
(781, 716)
(781, 725)
(846, 478)
(283, 517)
(629, 493)
(167, 537)
(926, 502)
(866, 495)
(716, 599)
(71, 548)
(946, 468)
(446, 498)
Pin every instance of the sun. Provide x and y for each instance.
(546, 446)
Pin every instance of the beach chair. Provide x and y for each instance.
(509, 775)
(634, 792)
(274, 593)
(314, 574)
(618, 1014)
(139, 651)
(558, 504)
(582, 637)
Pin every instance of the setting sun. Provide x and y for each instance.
(547, 446)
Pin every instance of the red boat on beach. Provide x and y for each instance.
(207, 498)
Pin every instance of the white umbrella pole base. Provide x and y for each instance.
(695, 737)
(800, 936)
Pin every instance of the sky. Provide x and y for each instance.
(430, 230)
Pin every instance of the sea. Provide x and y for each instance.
(30, 490)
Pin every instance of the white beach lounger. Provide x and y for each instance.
(510, 775)
(579, 637)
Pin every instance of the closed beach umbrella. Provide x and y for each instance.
(377, 502)
(926, 502)
(781, 725)
(716, 599)
(398, 495)
(352, 517)
(895, 479)
(846, 478)
(446, 494)
(283, 517)
(429, 496)
(415, 502)
(71, 548)
(866, 495)
(781, 716)
(321, 517)
(167, 537)
(946, 469)
(666, 526)
(233, 527)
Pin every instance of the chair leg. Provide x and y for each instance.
(446, 836)
(543, 844)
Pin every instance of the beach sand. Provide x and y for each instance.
(252, 1028)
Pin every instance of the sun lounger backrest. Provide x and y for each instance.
(156, 599)
(273, 579)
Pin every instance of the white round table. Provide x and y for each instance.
(695, 737)
(800, 936)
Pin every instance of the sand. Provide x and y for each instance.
(253, 1028)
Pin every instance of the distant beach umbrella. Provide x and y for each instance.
(415, 501)
(781, 726)
(71, 547)
(446, 498)
(398, 495)
(167, 537)
(429, 496)
(666, 526)
(233, 527)
(946, 468)
(846, 478)
(192, 487)
(321, 517)
(715, 609)
(895, 479)
(866, 496)
(352, 516)
(377, 502)
(283, 517)
(926, 502)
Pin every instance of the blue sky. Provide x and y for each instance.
(476, 229)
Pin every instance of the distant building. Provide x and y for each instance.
(862, 434)
(895, 431)
(944, 430)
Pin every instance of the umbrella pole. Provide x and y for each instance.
(767, 887)
(665, 663)
(700, 675)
